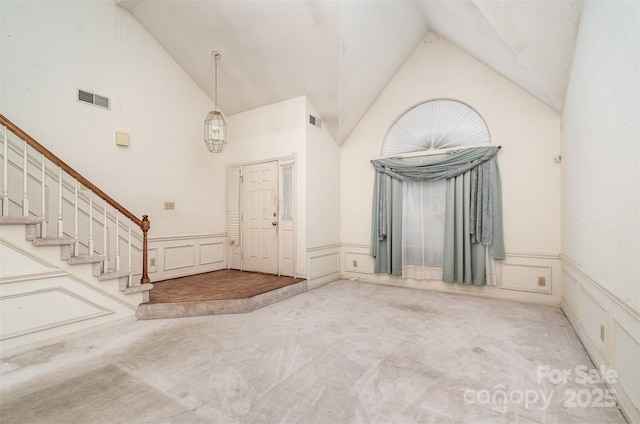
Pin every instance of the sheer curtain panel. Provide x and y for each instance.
(473, 212)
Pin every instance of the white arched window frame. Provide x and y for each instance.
(435, 125)
(431, 127)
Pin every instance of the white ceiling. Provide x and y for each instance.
(341, 54)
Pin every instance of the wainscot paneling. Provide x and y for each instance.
(178, 256)
(593, 317)
(625, 351)
(323, 264)
(609, 328)
(43, 299)
(517, 276)
(212, 253)
(40, 310)
(522, 277)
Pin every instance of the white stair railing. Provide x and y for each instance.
(5, 171)
(97, 227)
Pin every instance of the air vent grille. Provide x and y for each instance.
(93, 99)
(315, 121)
(101, 101)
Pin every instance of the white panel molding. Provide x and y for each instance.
(365, 264)
(627, 387)
(10, 279)
(596, 317)
(621, 322)
(573, 265)
(533, 255)
(62, 272)
(215, 258)
(152, 258)
(544, 271)
(355, 245)
(323, 264)
(100, 311)
(571, 302)
(179, 256)
(323, 248)
(26, 253)
(160, 239)
(105, 293)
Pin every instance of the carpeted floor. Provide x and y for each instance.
(346, 352)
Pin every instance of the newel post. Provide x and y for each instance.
(145, 227)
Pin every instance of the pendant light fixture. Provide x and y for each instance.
(215, 127)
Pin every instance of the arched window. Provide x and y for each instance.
(431, 126)
(436, 124)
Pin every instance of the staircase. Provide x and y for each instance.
(66, 254)
(69, 260)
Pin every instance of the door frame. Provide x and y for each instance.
(235, 253)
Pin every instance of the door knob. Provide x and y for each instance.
(274, 223)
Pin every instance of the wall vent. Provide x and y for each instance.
(315, 121)
(93, 99)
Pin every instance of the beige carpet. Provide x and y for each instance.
(346, 352)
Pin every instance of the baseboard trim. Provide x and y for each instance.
(432, 285)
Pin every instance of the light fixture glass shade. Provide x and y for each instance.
(215, 132)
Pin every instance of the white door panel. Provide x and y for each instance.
(260, 217)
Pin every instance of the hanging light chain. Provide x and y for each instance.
(216, 56)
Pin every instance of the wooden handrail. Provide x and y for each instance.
(143, 223)
(69, 170)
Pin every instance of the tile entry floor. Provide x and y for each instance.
(217, 285)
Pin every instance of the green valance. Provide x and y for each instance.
(473, 212)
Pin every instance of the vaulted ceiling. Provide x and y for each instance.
(341, 54)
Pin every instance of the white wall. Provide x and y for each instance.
(601, 189)
(323, 203)
(272, 132)
(529, 132)
(267, 132)
(323, 186)
(51, 48)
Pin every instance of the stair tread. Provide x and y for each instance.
(53, 241)
(111, 275)
(19, 220)
(86, 259)
(138, 289)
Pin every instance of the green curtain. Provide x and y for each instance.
(473, 220)
(386, 241)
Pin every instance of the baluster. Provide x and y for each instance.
(105, 266)
(90, 222)
(76, 217)
(60, 223)
(43, 195)
(117, 241)
(25, 173)
(5, 171)
(129, 244)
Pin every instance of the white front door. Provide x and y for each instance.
(260, 217)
